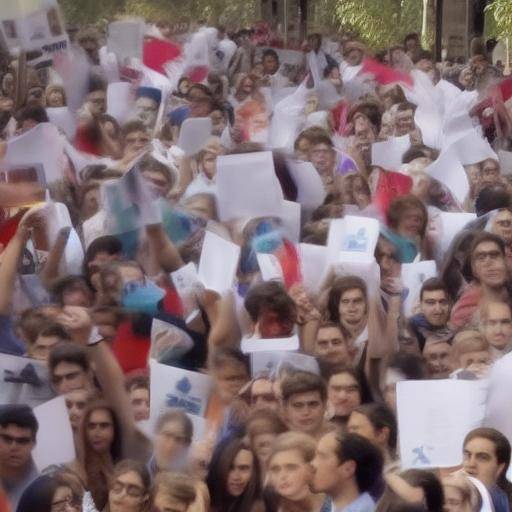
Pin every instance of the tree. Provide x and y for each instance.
(501, 11)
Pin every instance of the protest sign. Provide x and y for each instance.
(125, 39)
(352, 238)
(34, 25)
(413, 277)
(218, 263)
(310, 189)
(42, 144)
(434, 417)
(270, 267)
(313, 266)
(54, 442)
(254, 344)
(24, 381)
(388, 154)
(194, 134)
(247, 186)
(450, 225)
(128, 203)
(448, 170)
(174, 387)
(120, 100)
(273, 361)
(63, 119)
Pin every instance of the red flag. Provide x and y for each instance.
(289, 260)
(390, 185)
(197, 74)
(9, 227)
(158, 52)
(384, 74)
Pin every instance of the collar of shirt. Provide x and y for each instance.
(363, 503)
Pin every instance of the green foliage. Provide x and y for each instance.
(380, 23)
(501, 12)
(236, 12)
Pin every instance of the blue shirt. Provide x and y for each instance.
(9, 342)
(363, 503)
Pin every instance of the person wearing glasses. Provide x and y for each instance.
(18, 429)
(129, 488)
(487, 272)
(49, 494)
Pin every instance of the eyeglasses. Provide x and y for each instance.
(131, 490)
(10, 440)
(62, 505)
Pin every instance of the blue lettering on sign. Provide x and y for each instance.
(191, 405)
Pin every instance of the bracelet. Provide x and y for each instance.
(95, 337)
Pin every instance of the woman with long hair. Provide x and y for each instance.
(99, 449)
(234, 478)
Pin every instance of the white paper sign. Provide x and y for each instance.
(272, 362)
(413, 277)
(388, 154)
(291, 219)
(313, 266)
(448, 170)
(310, 189)
(452, 224)
(473, 148)
(55, 442)
(218, 263)
(434, 417)
(24, 381)
(43, 144)
(270, 267)
(129, 203)
(174, 387)
(63, 119)
(352, 238)
(250, 345)
(194, 134)
(125, 39)
(499, 402)
(247, 187)
(185, 278)
(120, 100)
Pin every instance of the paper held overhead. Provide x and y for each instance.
(310, 189)
(247, 187)
(53, 420)
(434, 417)
(218, 263)
(413, 277)
(194, 134)
(388, 154)
(44, 145)
(178, 388)
(125, 39)
(120, 100)
(352, 237)
(254, 344)
(473, 148)
(448, 170)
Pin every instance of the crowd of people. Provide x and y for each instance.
(315, 433)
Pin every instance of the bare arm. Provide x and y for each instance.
(11, 257)
(50, 272)
(163, 250)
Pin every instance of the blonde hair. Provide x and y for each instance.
(304, 444)
(472, 500)
(468, 340)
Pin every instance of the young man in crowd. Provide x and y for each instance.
(304, 399)
(346, 466)
(18, 430)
